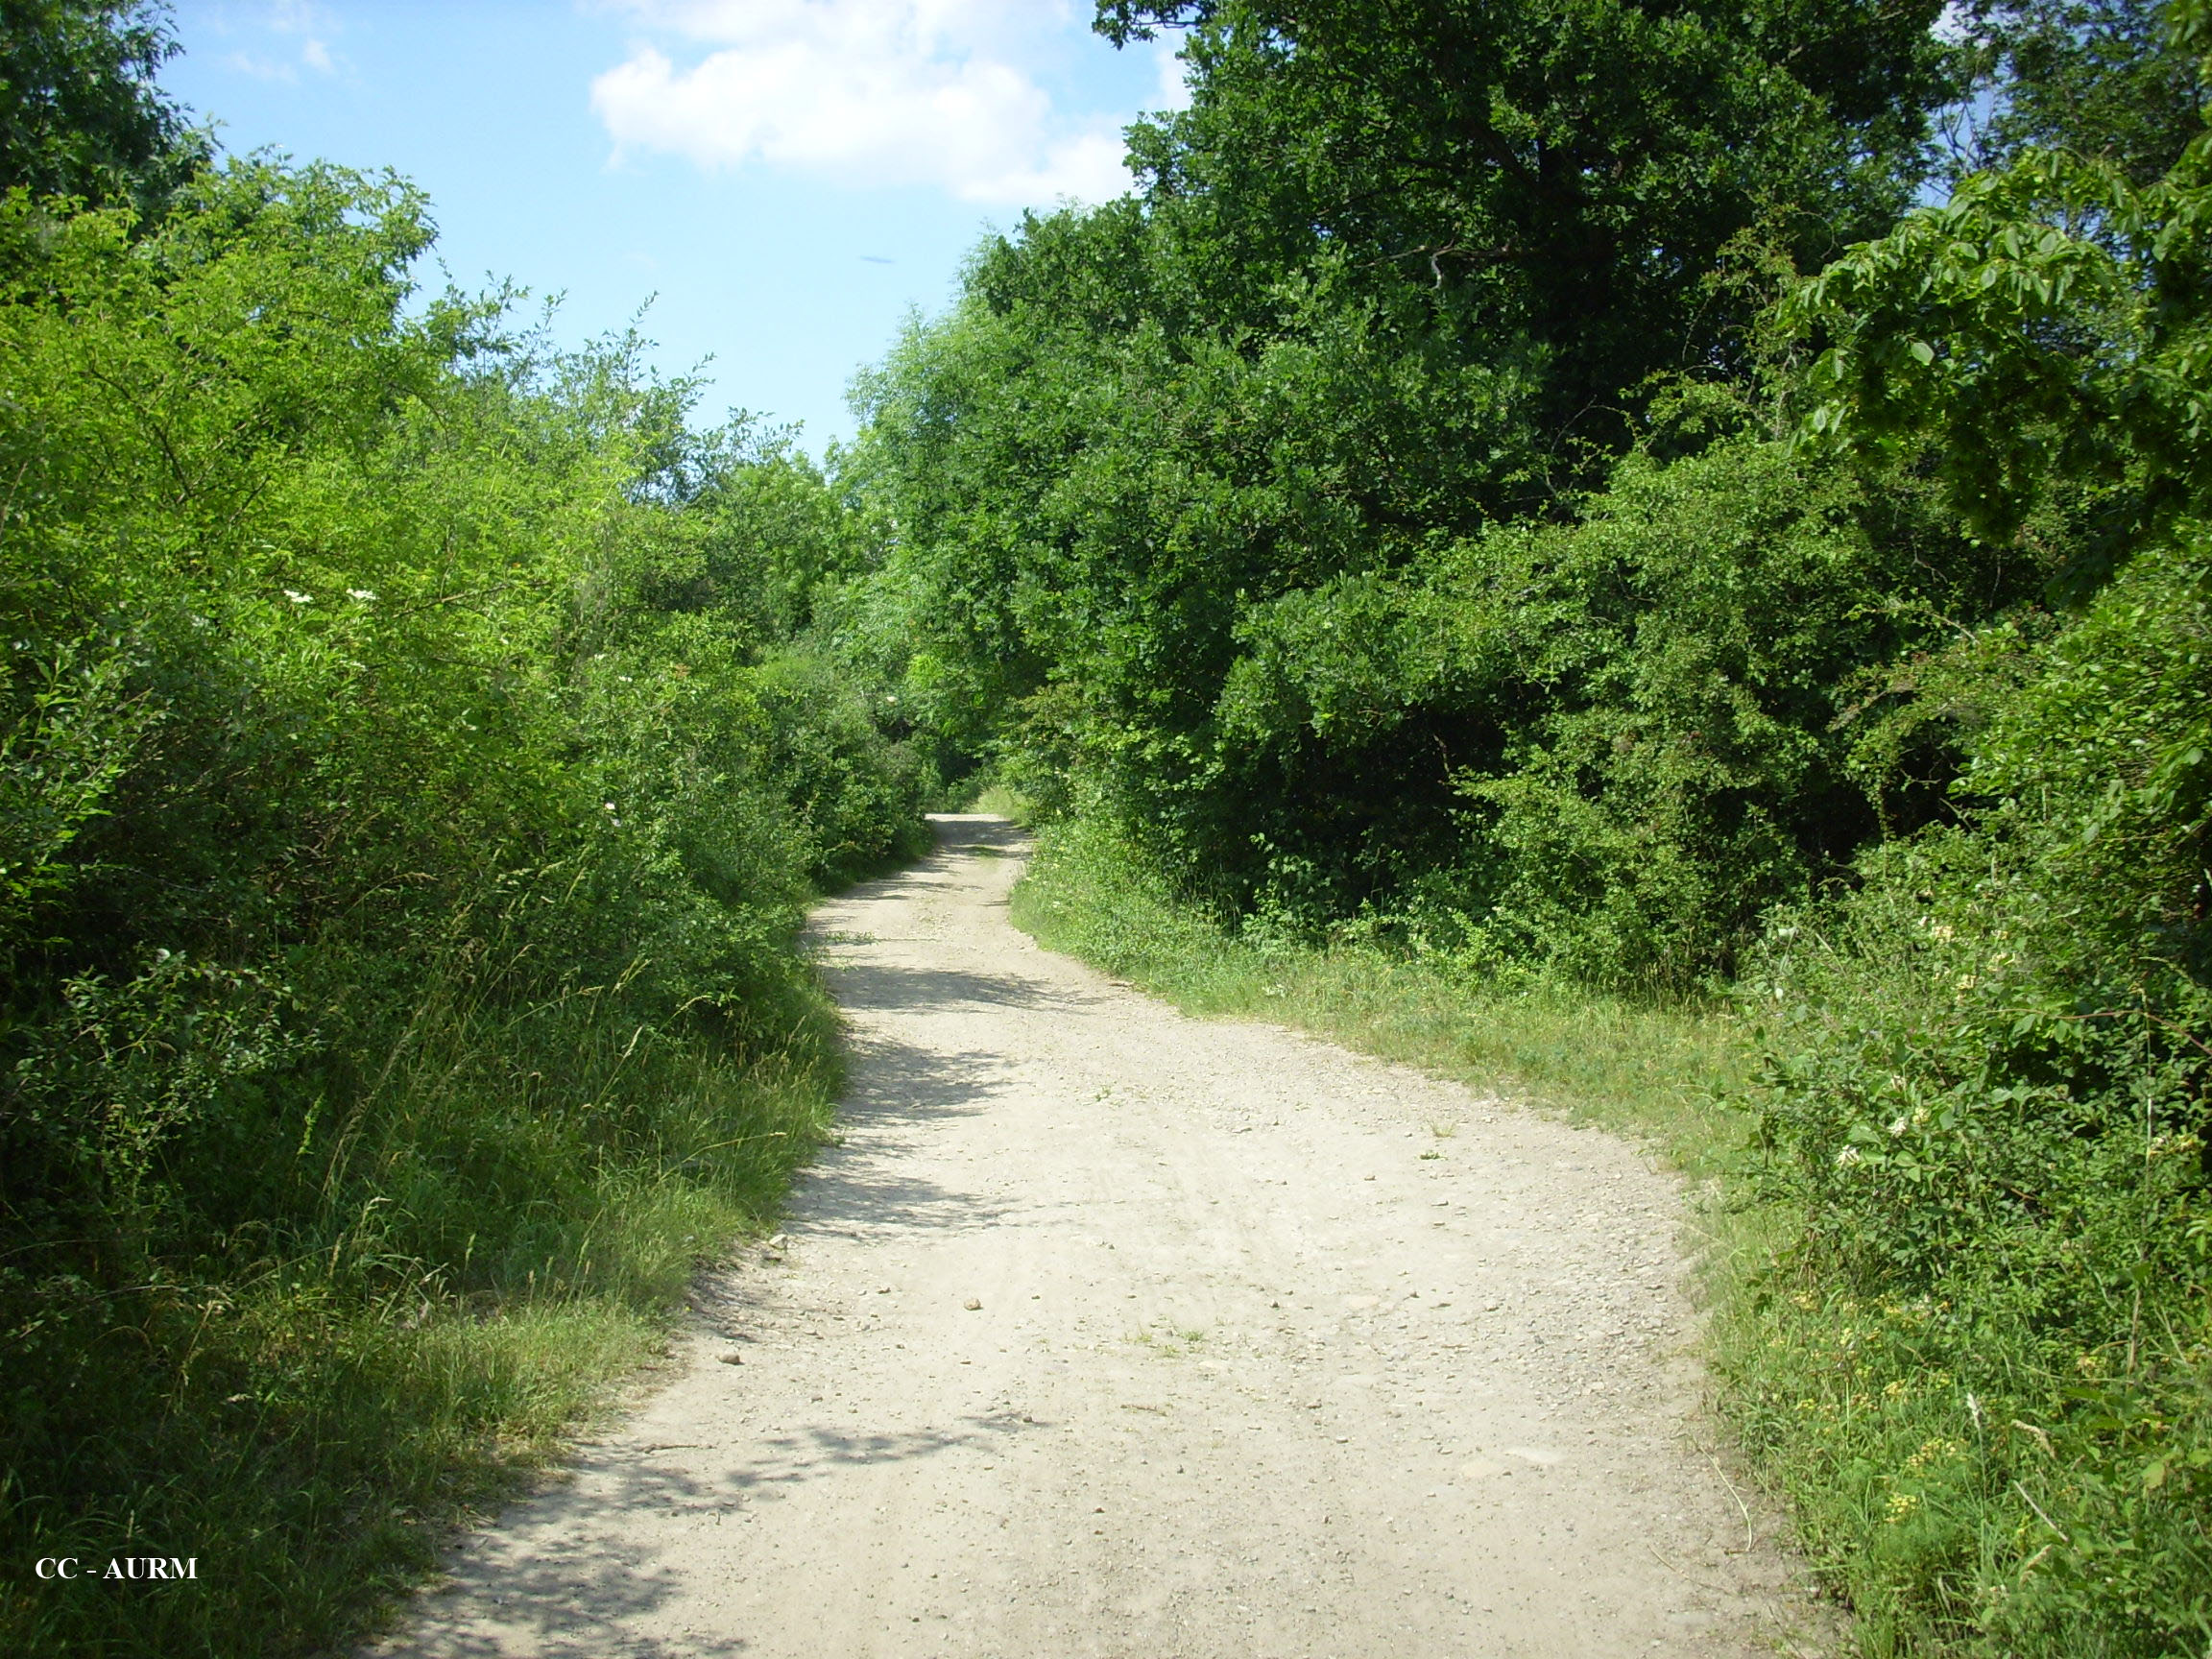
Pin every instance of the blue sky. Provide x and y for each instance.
(785, 179)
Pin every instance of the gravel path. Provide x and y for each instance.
(1107, 1332)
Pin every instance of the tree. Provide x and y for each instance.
(1554, 181)
(2045, 334)
(2098, 78)
(80, 113)
(1398, 274)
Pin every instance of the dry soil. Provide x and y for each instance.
(1107, 1332)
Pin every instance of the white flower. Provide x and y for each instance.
(364, 595)
(1899, 1127)
(1848, 1157)
(298, 598)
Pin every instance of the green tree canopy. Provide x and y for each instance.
(1554, 182)
(81, 113)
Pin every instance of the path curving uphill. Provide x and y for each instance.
(1109, 1332)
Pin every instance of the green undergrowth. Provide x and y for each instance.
(417, 753)
(308, 1422)
(1005, 801)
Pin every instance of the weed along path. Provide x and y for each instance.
(1107, 1332)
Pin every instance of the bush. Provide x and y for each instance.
(1988, 1367)
(410, 775)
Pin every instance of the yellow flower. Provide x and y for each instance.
(1933, 1450)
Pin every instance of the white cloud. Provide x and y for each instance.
(866, 91)
(1175, 89)
(297, 30)
(260, 68)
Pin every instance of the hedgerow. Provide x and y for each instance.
(412, 771)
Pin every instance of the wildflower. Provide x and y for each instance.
(298, 598)
(367, 595)
(1933, 1452)
(1902, 1505)
(1846, 1158)
(1899, 1127)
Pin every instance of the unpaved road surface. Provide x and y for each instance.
(1107, 1332)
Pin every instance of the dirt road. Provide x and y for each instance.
(1107, 1332)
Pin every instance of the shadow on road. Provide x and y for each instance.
(605, 1567)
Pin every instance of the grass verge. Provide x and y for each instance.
(305, 1421)
(1663, 1075)
(1983, 1468)
(1674, 1078)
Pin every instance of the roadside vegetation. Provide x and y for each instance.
(1667, 1074)
(417, 746)
(1662, 552)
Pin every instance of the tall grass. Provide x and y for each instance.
(494, 1246)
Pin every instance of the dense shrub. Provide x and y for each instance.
(411, 773)
(1986, 1098)
(1658, 720)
